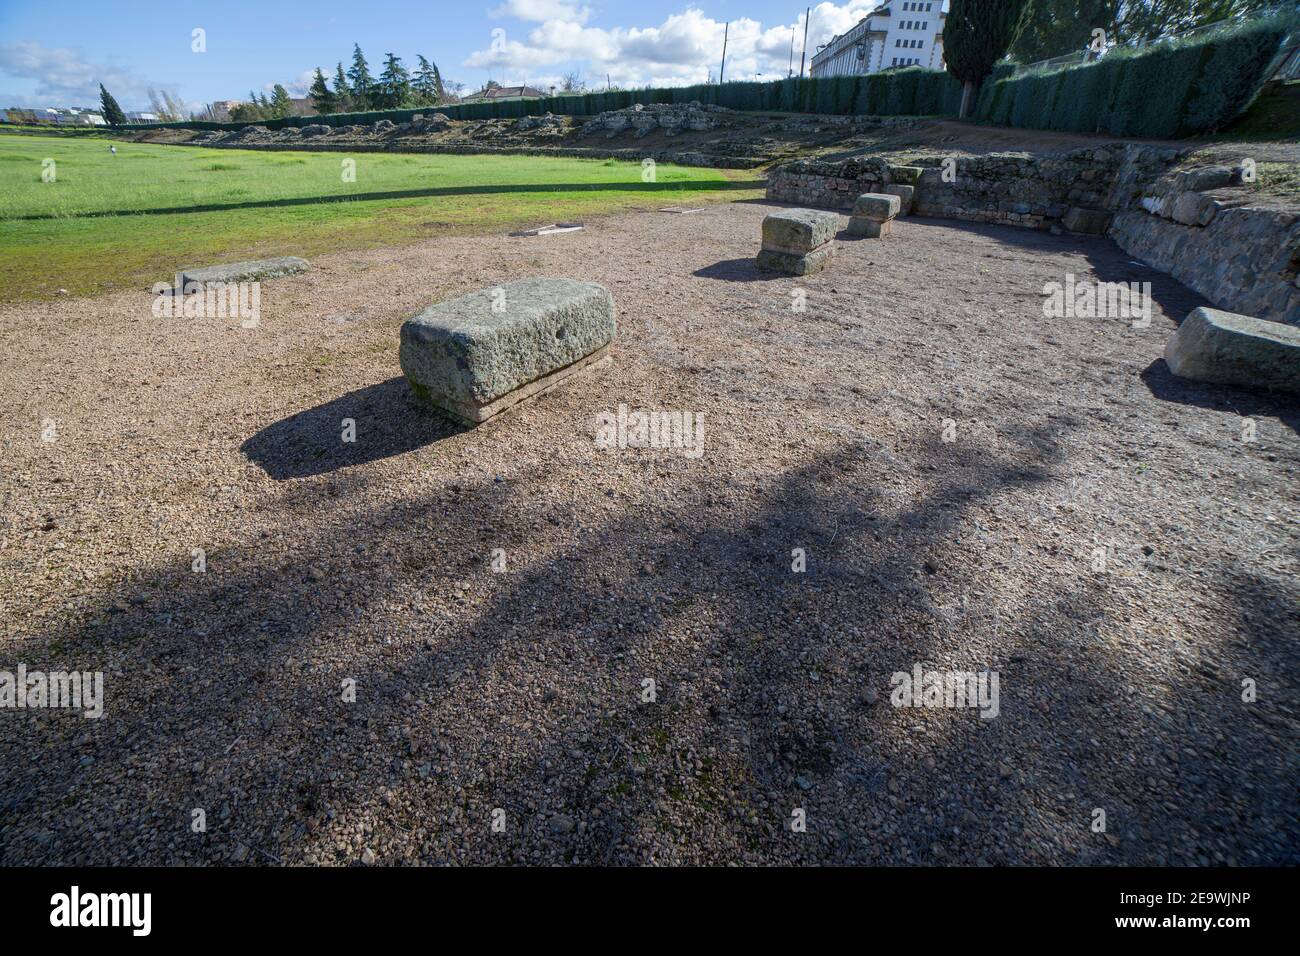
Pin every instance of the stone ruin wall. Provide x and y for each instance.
(1198, 225)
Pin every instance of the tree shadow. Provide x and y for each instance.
(387, 421)
(737, 270)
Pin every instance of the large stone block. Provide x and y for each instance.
(907, 175)
(476, 356)
(796, 264)
(1092, 222)
(870, 228)
(1229, 349)
(250, 271)
(798, 231)
(906, 196)
(877, 206)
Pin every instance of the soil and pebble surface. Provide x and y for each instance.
(972, 486)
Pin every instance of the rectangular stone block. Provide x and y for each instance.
(870, 228)
(477, 355)
(798, 231)
(794, 264)
(1092, 222)
(906, 195)
(1229, 349)
(906, 175)
(877, 206)
(250, 271)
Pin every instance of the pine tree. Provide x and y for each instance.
(976, 35)
(281, 104)
(362, 82)
(342, 92)
(1057, 27)
(321, 97)
(113, 114)
(394, 86)
(428, 83)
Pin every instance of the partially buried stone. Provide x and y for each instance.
(1229, 349)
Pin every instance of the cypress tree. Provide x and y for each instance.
(113, 114)
(342, 92)
(321, 97)
(976, 35)
(428, 83)
(362, 82)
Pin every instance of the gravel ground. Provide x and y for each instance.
(522, 690)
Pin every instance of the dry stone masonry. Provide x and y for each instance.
(798, 241)
(478, 355)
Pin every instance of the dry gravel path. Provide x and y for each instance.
(522, 690)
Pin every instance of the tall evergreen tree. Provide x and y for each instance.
(394, 86)
(428, 83)
(976, 35)
(342, 92)
(113, 114)
(321, 97)
(281, 104)
(362, 82)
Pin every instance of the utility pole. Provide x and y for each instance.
(723, 72)
(804, 53)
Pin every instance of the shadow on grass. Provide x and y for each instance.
(433, 191)
(311, 442)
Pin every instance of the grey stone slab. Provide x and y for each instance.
(1230, 349)
(797, 264)
(906, 175)
(473, 356)
(870, 228)
(252, 270)
(877, 206)
(906, 195)
(798, 231)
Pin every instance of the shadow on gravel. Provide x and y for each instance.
(311, 442)
(737, 270)
(1168, 387)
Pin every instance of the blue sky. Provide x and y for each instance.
(57, 54)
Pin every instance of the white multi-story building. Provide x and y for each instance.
(909, 33)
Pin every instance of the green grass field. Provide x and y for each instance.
(108, 221)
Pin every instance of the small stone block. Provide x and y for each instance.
(794, 264)
(870, 228)
(1229, 349)
(877, 206)
(906, 175)
(798, 231)
(477, 355)
(905, 194)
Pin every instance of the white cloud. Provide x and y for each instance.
(540, 11)
(65, 77)
(685, 48)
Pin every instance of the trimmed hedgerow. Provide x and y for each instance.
(1171, 88)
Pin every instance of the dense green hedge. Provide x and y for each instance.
(1169, 89)
(907, 92)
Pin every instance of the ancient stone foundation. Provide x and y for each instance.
(798, 241)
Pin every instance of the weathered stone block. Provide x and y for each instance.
(870, 228)
(796, 264)
(1229, 349)
(906, 195)
(477, 355)
(252, 270)
(1092, 222)
(877, 206)
(906, 175)
(798, 231)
